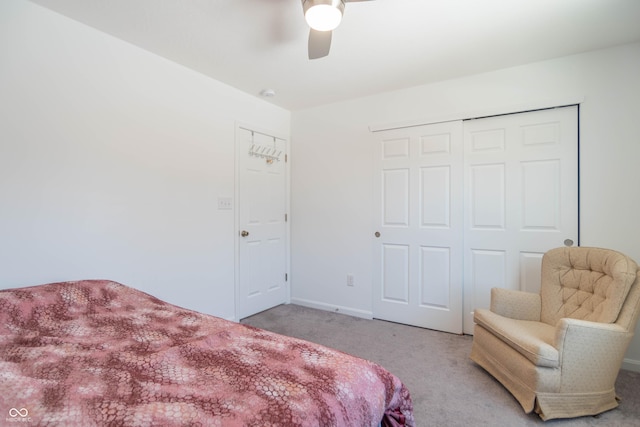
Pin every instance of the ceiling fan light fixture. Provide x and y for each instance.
(323, 15)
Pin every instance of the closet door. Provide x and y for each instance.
(462, 207)
(520, 199)
(417, 277)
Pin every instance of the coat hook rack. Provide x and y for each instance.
(270, 154)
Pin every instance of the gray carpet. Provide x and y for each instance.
(446, 387)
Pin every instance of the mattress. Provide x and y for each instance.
(97, 352)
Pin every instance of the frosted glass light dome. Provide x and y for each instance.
(323, 15)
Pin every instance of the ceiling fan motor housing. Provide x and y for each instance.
(308, 4)
(322, 16)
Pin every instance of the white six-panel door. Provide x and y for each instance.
(465, 206)
(418, 236)
(262, 249)
(521, 199)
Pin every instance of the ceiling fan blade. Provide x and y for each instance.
(319, 43)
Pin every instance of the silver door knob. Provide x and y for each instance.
(568, 242)
(244, 233)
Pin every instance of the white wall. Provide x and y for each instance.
(332, 177)
(112, 159)
(111, 163)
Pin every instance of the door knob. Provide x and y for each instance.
(244, 233)
(377, 234)
(568, 242)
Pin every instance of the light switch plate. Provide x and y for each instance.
(225, 203)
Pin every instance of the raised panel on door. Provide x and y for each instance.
(521, 199)
(435, 277)
(418, 254)
(395, 197)
(435, 196)
(540, 196)
(252, 267)
(485, 141)
(530, 271)
(274, 264)
(488, 203)
(395, 274)
(395, 148)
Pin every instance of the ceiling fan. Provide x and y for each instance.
(323, 16)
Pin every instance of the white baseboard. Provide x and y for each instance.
(631, 365)
(333, 308)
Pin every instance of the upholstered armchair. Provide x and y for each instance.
(559, 352)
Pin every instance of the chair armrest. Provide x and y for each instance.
(516, 304)
(590, 353)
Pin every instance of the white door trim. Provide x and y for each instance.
(485, 112)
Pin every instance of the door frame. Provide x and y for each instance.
(484, 112)
(236, 207)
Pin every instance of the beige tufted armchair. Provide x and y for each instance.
(559, 352)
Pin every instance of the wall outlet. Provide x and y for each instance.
(350, 280)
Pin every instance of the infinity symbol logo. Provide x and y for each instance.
(13, 412)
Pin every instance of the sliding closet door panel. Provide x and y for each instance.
(521, 199)
(418, 236)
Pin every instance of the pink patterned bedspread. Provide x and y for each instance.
(100, 353)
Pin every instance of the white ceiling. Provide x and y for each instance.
(380, 45)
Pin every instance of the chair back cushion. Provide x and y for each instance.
(585, 283)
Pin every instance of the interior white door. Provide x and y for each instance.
(417, 276)
(521, 199)
(262, 234)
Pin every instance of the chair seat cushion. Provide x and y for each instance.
(534, 340)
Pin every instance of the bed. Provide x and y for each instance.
(96, 352)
